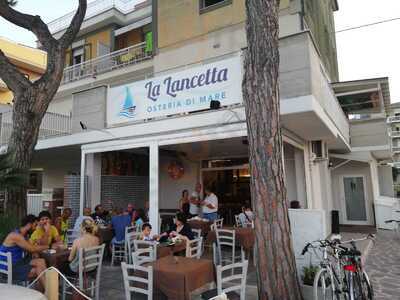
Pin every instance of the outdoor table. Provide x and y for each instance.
(166, 250)
(105, 235)
(177, 277)
(205, 226)
(9, 291)
(244, 236)
(57, 259)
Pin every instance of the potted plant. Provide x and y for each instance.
(308, 281)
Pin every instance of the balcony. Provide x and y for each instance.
(395, 134)
(106, 63)
(396, 149)
(93, 9)
(393, 119)
(53, 125)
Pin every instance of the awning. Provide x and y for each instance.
(132, 26)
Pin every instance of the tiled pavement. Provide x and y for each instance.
(383, 265)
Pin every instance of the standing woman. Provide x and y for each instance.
(184, 203)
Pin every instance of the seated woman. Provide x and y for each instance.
(45, 233)
(246, 217)
(16, 243)
(181, 228)
(87, 239)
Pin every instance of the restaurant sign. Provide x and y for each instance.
(185, 91)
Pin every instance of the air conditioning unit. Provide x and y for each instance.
(319, 150)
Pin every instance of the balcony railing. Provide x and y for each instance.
(395, 149)
(93, 9)
(395, 134)
(393, 119)
(106, 63)
(53, 125)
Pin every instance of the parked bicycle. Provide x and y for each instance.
(341, 274)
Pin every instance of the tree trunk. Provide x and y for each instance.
(276, 267)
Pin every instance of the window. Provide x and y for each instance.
(208, 5)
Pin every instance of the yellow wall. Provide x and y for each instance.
(103, 37)
(30, 61)
(181, 20)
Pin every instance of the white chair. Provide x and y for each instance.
(142, 256)
(225, 240)
(234, 281)
(138, 244)
(194, 248)
(218, 223)
(89, 272)
(118, 251)
(6, 267)
(238, 223)
(130, 237)
(138, 227)
(197, 233)
(220, 297)
(134, 283)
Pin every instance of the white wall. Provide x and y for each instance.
(61, 105)
(385, 179)
(170, 189)
(351, 168)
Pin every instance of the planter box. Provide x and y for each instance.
(308, 292)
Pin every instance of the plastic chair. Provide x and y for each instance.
(134, 283)
(235, 281)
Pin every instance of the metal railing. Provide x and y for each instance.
(393, 119)
(394, 133)
(35, 202)
(53, 124)
(395, 149)
(106, 63)
(93, 9)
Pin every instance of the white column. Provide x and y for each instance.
(308, 181)
(82, 187)
(153, 187)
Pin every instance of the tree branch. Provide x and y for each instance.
(29, 22)
(73, 29)
(10, 74)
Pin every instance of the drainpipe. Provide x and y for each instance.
(302, 14)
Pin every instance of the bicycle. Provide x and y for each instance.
(346, 276)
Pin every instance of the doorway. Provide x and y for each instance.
(229, 179)
(354, 200)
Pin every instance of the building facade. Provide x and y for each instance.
(152, 92)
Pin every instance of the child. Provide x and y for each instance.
(146, 233)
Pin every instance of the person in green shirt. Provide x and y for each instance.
(62, 223)
(45, 233)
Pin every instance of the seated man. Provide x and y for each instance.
(119, 223)
(100, 215)
(23, 268)
(62, 223)
(45, 233)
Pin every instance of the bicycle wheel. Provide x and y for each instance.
(362, 287)
(322, 288)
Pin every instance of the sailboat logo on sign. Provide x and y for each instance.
(129, 108)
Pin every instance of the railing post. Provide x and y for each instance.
(52, 285)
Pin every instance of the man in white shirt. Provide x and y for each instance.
(210, 205)
(194, 209)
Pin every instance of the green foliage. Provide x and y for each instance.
(7, 224)
(309, 274)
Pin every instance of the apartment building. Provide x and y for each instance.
(31, 62)
(152, 93)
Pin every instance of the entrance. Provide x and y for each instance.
(229, 179)
(354, 200)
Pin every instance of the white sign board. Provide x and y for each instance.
(185, 91)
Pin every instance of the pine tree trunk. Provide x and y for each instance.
(276, 267)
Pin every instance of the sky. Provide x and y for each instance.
(362, 53)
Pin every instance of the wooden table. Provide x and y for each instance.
(244, 236)
(166, 250)
(9, 291)
(57, 259)
(177, 277)
(205, 226)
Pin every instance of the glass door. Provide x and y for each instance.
(354, 196)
